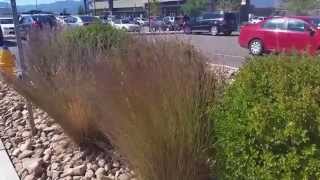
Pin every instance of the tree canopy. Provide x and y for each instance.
(301, 7)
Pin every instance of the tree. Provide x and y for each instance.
(154, 8)
(300, 7)
(194, 7)
(228, 5)
(81, 10)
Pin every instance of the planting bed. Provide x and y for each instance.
(50, 154)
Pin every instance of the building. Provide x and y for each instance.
(171, 7)
(135, 7)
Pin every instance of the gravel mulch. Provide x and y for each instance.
(51, 154)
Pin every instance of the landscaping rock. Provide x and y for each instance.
(50, 154)
(25, 146)
(33, 165)
(25, 153)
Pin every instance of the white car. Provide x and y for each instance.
(7, 27)
(76, 21)
(125, 25)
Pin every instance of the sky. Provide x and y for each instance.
(262, 3)
(30, 2)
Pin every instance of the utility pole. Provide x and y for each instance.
(20, 60)
(110, 7)
(36, 4)
(85, 3)
(149, 13)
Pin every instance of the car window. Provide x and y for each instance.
(297, 25)
(117, 21)
(316, 22)
(88, 18)
(278, 23)
(71, 19)
(212, 15)
(125, 21)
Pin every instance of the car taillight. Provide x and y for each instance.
(35, 24)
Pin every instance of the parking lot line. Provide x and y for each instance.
(228, 55)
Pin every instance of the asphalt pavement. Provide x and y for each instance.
(223, 50)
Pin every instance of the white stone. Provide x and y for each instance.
(89, 174)
(101, 162)
(124, 177)
(16, 152)
(25, 153)
(100, 172)
(33, 165)
(26, 146)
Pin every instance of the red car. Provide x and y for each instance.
(281, 34)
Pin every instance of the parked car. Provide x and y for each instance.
(282, 34)
(7, 27)
(213, 23)
(125, 25)
(27, 22)
(76, 21)
(1, 37)
(140, 21)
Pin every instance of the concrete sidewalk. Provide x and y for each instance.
(7, 171)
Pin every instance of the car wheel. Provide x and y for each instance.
(227, 33)
(187, 30)
(256, 47)
(214, 30)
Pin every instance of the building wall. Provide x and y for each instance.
(102, 4)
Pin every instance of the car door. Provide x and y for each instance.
(273, 34)
(299, 36)
(196, 23)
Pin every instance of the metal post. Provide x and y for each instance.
(149, 9)
(20, 60)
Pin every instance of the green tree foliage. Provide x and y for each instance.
(301, 7)
(228, 5)
(268, 126)
(194, 7)
(155, 8)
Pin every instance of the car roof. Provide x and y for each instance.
(6, 18)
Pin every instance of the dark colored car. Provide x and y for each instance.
(281, 34)
(35, 21)
(1, 37)
(213, 23)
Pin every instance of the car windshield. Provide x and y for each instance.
(88, 18)
(212, 15)
(125, 21)
(46, 19)
(6, 21)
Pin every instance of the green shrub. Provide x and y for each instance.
(97, 35)
(268, 124)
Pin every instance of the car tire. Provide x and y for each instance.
(187, 30)
(214, 31)
(227, 33)
(256, 47)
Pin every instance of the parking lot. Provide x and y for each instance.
(222, 50)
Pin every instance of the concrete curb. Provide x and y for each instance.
(7, 171)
